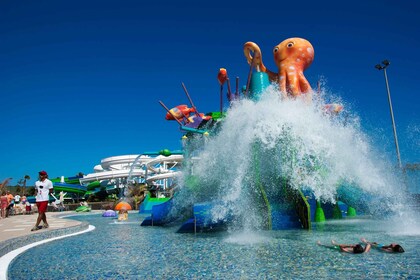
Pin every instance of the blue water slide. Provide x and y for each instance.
(149, 202)
(202, 221)
(160, 214)
(283, 217)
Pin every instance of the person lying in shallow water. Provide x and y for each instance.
(348, 248)
(391, 248)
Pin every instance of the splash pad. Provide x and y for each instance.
(280, 157)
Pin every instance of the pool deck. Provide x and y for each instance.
(15, 231)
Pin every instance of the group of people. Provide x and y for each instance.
(5, 203)
(359, 249)
(43, 189)
(8, 202)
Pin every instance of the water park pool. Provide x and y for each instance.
(125, 250)
(272, 166)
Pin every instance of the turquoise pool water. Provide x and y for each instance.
(128, 251)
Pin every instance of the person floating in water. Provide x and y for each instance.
(348, 248)
(391, 248)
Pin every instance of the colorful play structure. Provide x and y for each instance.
(281, 205)
(178, 195)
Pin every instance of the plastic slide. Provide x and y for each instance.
(69, 188)
(32, 199)
(69, 185)
(202, 220)
(157, 177)
(129, 166)
(149, 202)
(107, 175)
(160, 213)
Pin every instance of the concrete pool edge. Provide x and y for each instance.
(17, 242)
(7, 258)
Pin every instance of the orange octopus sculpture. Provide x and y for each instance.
(292, 57)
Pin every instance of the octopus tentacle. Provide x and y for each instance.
(304, 84)
(294, 82)
(282, 80)
(257, 59)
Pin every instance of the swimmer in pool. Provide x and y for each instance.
(347, 248)
(391, 248)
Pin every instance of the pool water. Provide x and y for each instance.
(116, 250)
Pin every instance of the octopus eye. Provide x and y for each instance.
(291, 44)
(276, 49)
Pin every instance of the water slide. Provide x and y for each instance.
(154, 169)
(157, 177)
(130, 166)
(69, 185)
(151, 205)
(32, 199)
(70, 188)
(161, 209)
(111, 174)
(155, 165)
(116, 167)
(290, 210)
(202, 219)
(160, 169)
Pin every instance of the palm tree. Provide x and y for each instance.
(4, 184)
(26, 178)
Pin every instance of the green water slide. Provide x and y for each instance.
(94, 187)
(72, 185)
(68, 185)
(69, 188)
(68, 180)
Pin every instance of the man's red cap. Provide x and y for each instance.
(43, 173)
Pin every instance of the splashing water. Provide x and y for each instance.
(273, 139)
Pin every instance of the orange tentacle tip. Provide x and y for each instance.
(222, 76)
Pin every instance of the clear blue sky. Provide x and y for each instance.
(81, 80)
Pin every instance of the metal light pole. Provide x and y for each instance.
(384, 65)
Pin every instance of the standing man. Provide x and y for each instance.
(43, 188)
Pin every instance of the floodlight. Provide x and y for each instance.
(386, 62)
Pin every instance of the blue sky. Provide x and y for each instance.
(81, 80)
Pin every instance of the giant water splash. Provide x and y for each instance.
(262, 143)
